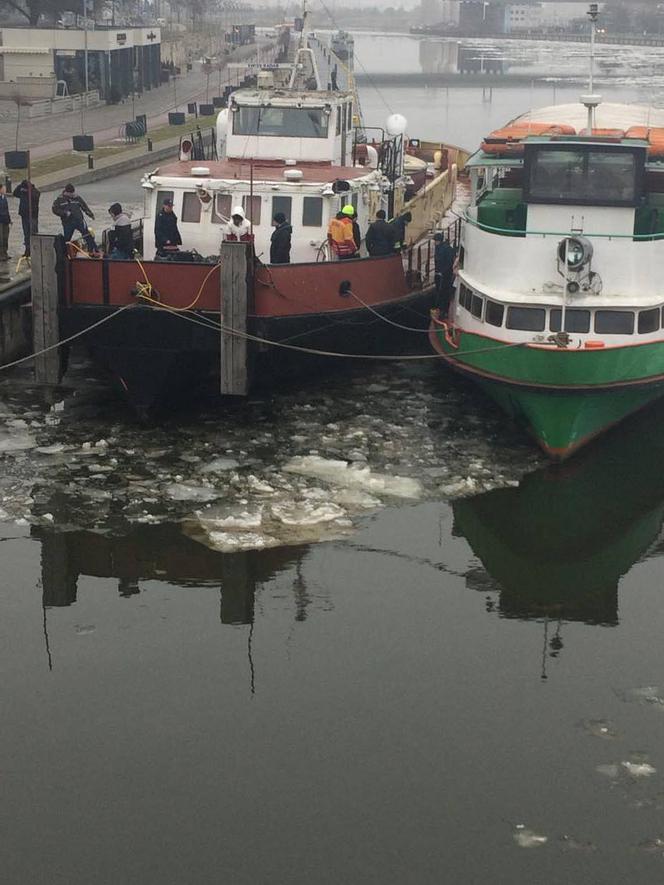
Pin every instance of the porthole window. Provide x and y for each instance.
(575, 320)
(614, 322)
(648, 321)
(526, 319)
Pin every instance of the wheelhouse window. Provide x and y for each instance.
(648, 321)
(222, 208)
(252, 209)
(281, 122)
(575, 320)
(607, 175)
(494, 313)
(282, 204)
(614, 322)
(191, 207)
(526, 319)
(312, 211)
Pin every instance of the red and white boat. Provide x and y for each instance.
(289, 144)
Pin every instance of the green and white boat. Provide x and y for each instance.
(558, 311)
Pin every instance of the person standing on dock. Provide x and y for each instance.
(280, 241)
(28, 209)
(443, 259)
(5, 222)
(381, 236)
(166, 234)
(70, 207)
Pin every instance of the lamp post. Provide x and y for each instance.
(84, 100)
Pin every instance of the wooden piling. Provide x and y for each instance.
(45, 325)
(235, 298)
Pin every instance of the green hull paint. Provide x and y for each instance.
(564, 398)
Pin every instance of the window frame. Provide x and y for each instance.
(215, 218)
(598, 313)
(529, 308)
(307, 201)
(249, 214)
(532, 150)
(656, 312)
(187, 201)
(569, 313)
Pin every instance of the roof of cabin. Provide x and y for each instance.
(608, 115)
(263, 170)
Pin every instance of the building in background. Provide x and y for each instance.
(121, 61)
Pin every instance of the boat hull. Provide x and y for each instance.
(564, 398)
(160, 359)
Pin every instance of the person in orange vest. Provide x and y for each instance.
(340, 234)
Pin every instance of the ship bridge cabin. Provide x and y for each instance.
(559, 218)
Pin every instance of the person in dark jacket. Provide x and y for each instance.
(166, 234)
(280, 241)
(28, 209)
(5, 222)
(399, 225)
(70, 207)
(381, 236)
(121, 238)
(443, 258)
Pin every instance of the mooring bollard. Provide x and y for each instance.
(91, 161)
(149, 144)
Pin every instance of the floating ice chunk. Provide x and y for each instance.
(243, 520)
(307, 514)
(17, 423)
(526, 838)
(258, 485)
(220, 465)
(355, 498)
(4, 516)
(459, 488)
(54, 449)
(16, 442)
(340, 473)
(639, 769)
(101, 444)
(230, 541)
(180, 491)
(48, 517)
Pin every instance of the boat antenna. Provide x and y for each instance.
(591, 100)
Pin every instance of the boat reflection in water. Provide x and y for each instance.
(163, 553)
(559, 544)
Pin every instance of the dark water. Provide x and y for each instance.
(351, 631)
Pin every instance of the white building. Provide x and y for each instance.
(120, 60)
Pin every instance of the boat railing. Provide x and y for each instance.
(419, 258)
(487, 228)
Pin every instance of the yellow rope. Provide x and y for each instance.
(145, 290)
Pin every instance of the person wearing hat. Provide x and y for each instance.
(340, 234)
(444, 256)
(121, 239)
(166, 234)
(280, 241)
(381, 236)
(238, 229)
(70, 208)
(351, 212)
(28, 209)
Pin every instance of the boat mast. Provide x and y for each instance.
(591, 100)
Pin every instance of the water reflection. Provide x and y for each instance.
(452, 57)
(165, 554)
(559, 543)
